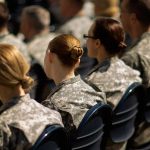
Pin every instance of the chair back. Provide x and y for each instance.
(147, 107)
(54, 137)
(90, 131)
(124, 115)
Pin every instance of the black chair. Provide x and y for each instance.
(124, 114)
(143, 117)
(91, 129)
(54, 137)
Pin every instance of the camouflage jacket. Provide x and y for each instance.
(113, 77)
(77, 26)
(11, 39)
(138, 57)
(22, 120)
(72, 99)
(38, 46)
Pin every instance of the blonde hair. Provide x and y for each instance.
(13, 67)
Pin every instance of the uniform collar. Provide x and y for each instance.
(13, 102)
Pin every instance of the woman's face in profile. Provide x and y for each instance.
(47, 63)
(90, 43)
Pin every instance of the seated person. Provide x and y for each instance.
(72, 96)
(105, 40)
(22, 119)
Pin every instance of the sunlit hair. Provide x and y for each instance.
(67, 48)
(110, 33)
(13, 68)
(142, 10)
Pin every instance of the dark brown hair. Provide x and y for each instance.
(110, 33)
(4, 14)
(67, 48)
(142, 10)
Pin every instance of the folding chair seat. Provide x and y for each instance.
(54, 137)
(124, 115)
(91, 129)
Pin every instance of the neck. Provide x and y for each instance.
(34, 33)
(103, 55)
(138, 32)
(10, 93)
(63, 75)
(3, 31)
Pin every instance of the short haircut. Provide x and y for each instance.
(142, 10)
(39, 17)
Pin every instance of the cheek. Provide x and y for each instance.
(91, 51)
(46, 65)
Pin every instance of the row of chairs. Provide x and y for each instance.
(100, 123)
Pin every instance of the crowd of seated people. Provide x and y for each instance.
(82, 61)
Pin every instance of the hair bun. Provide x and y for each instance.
(26, 82)
(76, 52)
(122, 45)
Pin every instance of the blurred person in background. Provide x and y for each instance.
(135, 17)
(34, 25)
(6, 36)
(107, 8)
(77, 23)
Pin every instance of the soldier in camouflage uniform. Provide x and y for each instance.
(72, 97)
(105, 40)
(6, 37)
(138, 55)
(36, 20)
(22, 119)
(77, 23)
(135, 17)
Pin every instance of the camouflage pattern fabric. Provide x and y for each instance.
(77, 26)
(113, 77)
(11, 39)
(22, 120)
(72, 99)
(138, 57)
(38, 46)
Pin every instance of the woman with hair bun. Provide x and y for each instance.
(72, 96)
(105, 41)
(22, 119)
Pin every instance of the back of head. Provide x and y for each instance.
(13, 68)
(38, 17)
(141, 8)
(67, 48)
(107, 8)
(110, 33)
(4, 14)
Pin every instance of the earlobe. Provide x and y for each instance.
(50, 56)
(98, 42)
(133, 18)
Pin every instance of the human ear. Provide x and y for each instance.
(50, 56)
(98, 43)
